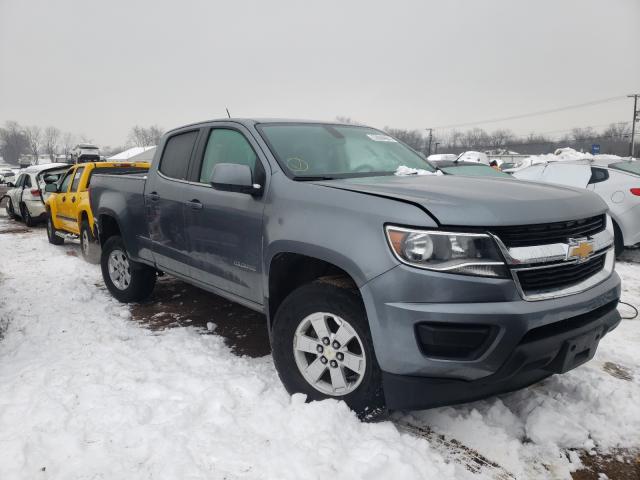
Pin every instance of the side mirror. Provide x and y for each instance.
(232, 177)
(51, 188)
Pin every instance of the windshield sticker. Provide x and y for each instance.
(297, 164)
(376, 137)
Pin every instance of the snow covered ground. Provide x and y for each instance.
(87, 393)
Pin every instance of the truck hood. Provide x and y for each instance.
(479, 201)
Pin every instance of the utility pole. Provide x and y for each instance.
(430, 139)
(633, 123)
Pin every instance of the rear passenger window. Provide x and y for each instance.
(598, 175)
(176, 155)
(76, 179)
(27, 181)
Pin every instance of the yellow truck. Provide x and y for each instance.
(68, 209)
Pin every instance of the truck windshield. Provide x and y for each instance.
(311, 151)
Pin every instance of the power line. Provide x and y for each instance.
(533, 114)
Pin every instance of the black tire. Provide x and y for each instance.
(10, 211)
(367, 400)
(142, 277)
(26, 215)
(618, 241)
(89, 247)
(51, 231)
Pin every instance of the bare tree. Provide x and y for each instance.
(347, 120)
(501, 138)
(34, 138)
(618, 130)
(413, 138)
(50, 142)
(67, 142)
(145, 137)
(13, 142)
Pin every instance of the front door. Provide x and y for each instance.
(225, 228)
(165, 196)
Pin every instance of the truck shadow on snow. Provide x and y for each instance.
(175, 304)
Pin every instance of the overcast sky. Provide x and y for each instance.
(99, 67)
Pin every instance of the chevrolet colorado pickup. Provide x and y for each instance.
(383, 290)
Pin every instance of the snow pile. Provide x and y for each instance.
(569, 154)
(85, 393)
(403, 170)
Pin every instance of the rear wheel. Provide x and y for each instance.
(88, 244)
(322, 347)
(26, 215)
(128, 281)
(51, 231)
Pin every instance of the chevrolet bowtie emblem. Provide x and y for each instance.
(580, 249)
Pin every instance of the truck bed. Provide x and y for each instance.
(122, 193)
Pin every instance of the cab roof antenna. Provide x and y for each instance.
(228, 114)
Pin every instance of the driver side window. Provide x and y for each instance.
(226, 146)
(64, 186)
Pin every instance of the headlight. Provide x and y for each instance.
(453, 252)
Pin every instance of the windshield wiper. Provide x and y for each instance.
(302, 178)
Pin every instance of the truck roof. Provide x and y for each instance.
(254, 121)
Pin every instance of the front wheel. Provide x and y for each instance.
(322, 347)
(128, 281)
(51, 231)
(88, 245)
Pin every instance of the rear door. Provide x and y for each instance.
(16, 193)
(165, 197)
(61, 199)
(73, 200)
(225, 228)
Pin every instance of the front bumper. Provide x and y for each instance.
(403, 298)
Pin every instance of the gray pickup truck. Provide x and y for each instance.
(387, 291)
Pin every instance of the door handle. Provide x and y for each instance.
(195, 204)
(154, 197)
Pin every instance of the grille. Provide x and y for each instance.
(559, 276)
(545, 233)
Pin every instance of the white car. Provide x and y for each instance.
(617, 181)
(27, 195)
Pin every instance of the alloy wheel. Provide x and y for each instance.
(119, 269)
(329, 354)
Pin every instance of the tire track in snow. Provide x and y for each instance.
(457, 452)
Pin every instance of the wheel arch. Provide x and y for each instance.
(288, 270)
